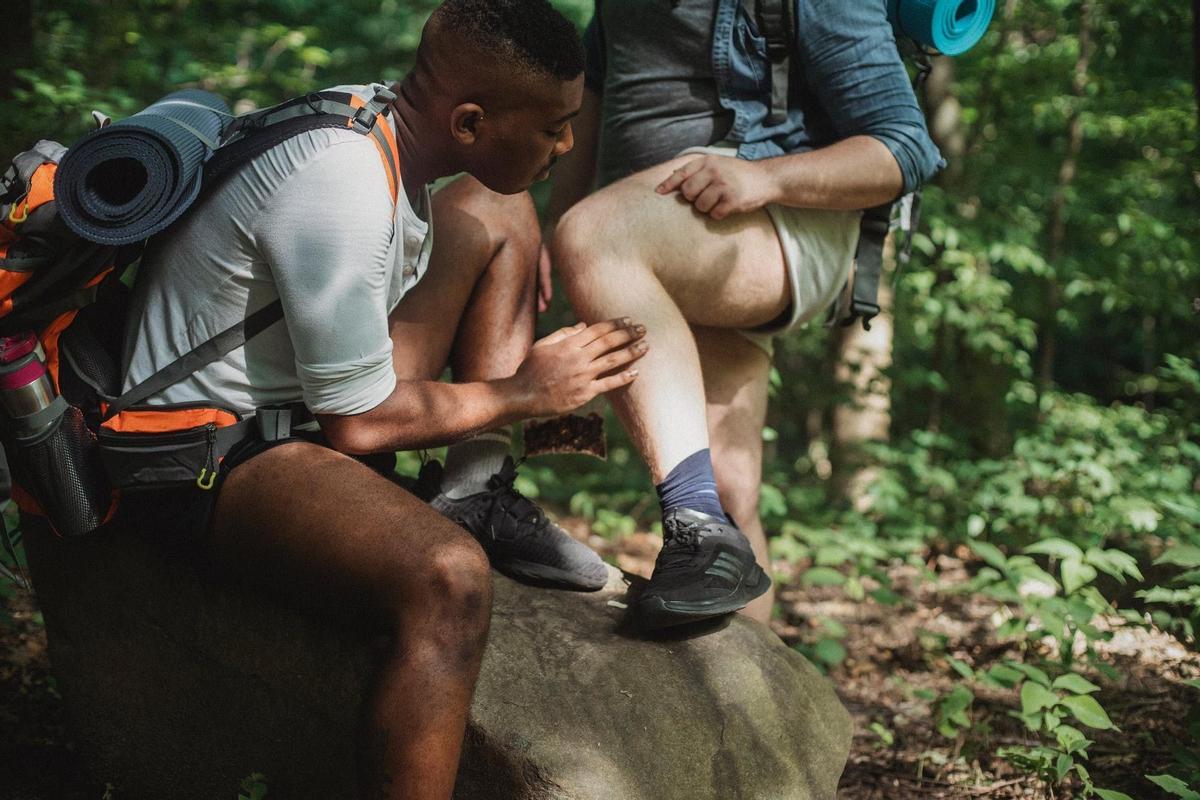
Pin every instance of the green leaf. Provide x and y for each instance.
(1071, 739)
(1076, 574)
(962, 669)
(1085, 709)
(1110, 794)
(1184, 555)
(1004, 675)
(1117, 563)
(1194, 683)
(1173, 785)
(1035, 697)
(830, 651)
(1034, 673)
(1062, 765)
(1190, 513)
(990, 554)
(1077, 684)
(957, 701)
(1059, 548)
(823, 576)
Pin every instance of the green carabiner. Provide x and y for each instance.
(206, 479)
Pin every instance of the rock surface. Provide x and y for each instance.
(179, 686)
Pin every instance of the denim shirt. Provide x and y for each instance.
(847, 79)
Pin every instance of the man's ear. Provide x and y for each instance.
(465, 121)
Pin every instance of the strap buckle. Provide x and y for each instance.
(363, 119)
(861, 310)
(384, 96)
(274, 422)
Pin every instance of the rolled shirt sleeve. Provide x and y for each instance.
(850, 61)
(328, 240)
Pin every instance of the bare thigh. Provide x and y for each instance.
(330, 533)
(721, 273)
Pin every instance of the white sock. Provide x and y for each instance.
(470, 464)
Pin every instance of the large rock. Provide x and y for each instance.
(180, 686)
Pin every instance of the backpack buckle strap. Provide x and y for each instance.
(383, 98)
(363, 119)
(276, 423)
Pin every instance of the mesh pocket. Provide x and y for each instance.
(64, 474)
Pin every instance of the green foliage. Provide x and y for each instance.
(254, 787)
(1174, 786)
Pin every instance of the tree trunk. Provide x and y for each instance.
(945, 118)
(862, 360)
(1052, 291)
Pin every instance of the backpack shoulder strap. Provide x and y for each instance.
(199, 357)
(251, 135)
(776, 22)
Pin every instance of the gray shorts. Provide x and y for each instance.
(818, 250)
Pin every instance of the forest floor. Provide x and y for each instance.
(892, 653)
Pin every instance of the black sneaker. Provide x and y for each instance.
(705, 569)
(516, 535)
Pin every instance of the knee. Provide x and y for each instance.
(508, 220)
(451, 610)
(513, 219)
(578, 236)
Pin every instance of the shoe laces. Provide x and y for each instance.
(681, 545)
(508, 502)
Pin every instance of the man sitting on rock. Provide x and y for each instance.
(372, 316)
(723, 222)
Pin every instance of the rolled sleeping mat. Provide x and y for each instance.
(133, 178)
(951, 26)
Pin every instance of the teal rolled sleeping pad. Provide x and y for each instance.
(951, 26)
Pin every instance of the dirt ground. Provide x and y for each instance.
(892, 652)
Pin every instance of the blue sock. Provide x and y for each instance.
(692, 485)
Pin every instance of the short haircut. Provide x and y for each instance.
(529, 32)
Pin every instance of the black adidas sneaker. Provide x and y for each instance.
(705, 569)
(516, 535)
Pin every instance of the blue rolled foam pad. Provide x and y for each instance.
(951, 26)
(132, 179)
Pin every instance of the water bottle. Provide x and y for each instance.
(25, 385)
(52, 453)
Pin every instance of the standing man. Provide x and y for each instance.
(721, 225)
(371, 317)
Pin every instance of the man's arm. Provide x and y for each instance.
(848, 57)
(562, 372)
(854, 173)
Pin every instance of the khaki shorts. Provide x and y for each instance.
(818, 249)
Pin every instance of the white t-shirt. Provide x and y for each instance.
(312, 223)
